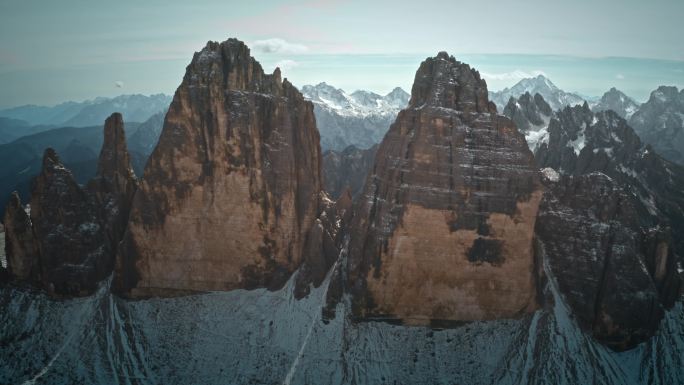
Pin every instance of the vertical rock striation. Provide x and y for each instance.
(68, 231)
(21, 249)
(232, 188)
(115, 182)
(445, 225)
(614, 264)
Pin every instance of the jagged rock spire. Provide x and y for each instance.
(115, 182)
(442, 81)
(232, 188)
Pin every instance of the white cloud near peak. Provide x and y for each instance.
(286, 64)
(277, 45)
(513, 75)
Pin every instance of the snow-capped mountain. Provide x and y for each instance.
(360, 118)
(578, 141)
(660, 122)
(554, 96)
(617, 101)
(136, 108)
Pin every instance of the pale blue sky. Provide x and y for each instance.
(52, 51)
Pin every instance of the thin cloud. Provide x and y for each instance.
(276, 45)
(118, 84)
(620, 76)
(286, 64)
(513, 75)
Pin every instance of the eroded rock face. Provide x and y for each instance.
(68, 230)
(324, 242)
(581, 142)
(115, 182)
(232, 188)
(21, 249)
(347, 169)
(445, 226)
(615, 268)
(660, 122)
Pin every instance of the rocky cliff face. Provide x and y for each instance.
(444, 231)
(232, 188)
(68, 231)
(660, 122)
(66, 245)
(620, 205)
(115, 182)
(581, 142)
(21, 249)
(347, 169)
(614, 265)
(531, 114)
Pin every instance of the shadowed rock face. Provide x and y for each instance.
(68, 231)
(615, 268)
(232, 188)
(444, 230)
(531, 115)
(115, 182)
(66, 246)
(660, 122)
(21, 249)
(347, 169)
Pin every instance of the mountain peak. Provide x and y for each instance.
(554, 96)
(443, 81)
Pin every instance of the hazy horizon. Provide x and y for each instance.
(130, 48)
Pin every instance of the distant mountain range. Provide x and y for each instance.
(78, 148)
(360, 119)
(554, 96)
(136, 108)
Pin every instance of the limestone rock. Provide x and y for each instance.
(68, 230)
(617, 272)
(115, 182)
(581, 142)
(324, 242)
(231, 190)
(444, 230)
(660, 122)
(347, 169)
(21, 249)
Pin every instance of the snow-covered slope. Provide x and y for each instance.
(361, 118)
(553, 95)
(262, 337)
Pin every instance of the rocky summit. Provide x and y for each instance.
(115, 182)
(61, 245)
(233, 187)
(64, 241)
(660, 122)
(446, 221)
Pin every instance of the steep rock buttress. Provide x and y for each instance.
(232, 189)
(445, 225)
